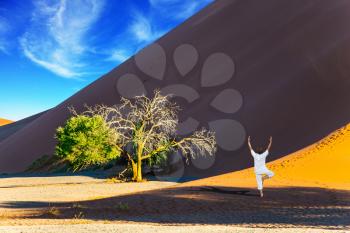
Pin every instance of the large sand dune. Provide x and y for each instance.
(291, 62)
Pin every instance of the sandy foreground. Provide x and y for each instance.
(132, 227)
(55, 189)
(85, 204)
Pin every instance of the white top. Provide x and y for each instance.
(260, 162)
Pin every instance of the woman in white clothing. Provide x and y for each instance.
(260, 169)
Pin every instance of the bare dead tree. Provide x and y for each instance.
(150, 124)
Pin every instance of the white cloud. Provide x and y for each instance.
(3, 46)
(120, 55)
(158, 2)
(188, 10)
(4, 29)
(163, 3)
(147, 27)
(56, 68)
(178, 9)
(56, 38)
(143, 29)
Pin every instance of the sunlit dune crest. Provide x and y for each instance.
(323, 164)
(4, 121)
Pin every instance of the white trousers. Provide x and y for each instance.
(259, 177)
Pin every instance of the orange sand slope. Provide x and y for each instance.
(4, 121)
(324, 164)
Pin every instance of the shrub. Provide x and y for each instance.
(86, 141)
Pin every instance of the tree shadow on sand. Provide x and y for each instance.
(293, 207)
(223, 191)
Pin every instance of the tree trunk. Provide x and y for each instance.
(139, 171)
(133, 167)
(139, 163)
(134, 171)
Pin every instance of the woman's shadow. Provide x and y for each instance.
(234, 192)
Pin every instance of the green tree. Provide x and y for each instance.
(87, 140)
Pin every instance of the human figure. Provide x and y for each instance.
(261, 171)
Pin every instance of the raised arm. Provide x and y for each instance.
(249, 144)
(270, 144)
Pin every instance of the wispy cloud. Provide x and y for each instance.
(144, 29)
(141, 31)
(56, 38)
(4, 29)
(179, 9)
(120, 55)
(147, 27)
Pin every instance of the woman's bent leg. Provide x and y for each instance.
(270, 173)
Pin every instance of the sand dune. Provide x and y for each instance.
(288, 60)
(7, 130)
(4, 121)
(324, 164)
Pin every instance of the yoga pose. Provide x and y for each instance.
(260, 169)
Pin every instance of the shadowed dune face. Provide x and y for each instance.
(281, 207)
(7, 130)
(262, 68)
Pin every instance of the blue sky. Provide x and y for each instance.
(50, 49)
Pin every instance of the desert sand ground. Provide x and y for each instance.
(37, 204)
(302, 196)
(132, 227)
